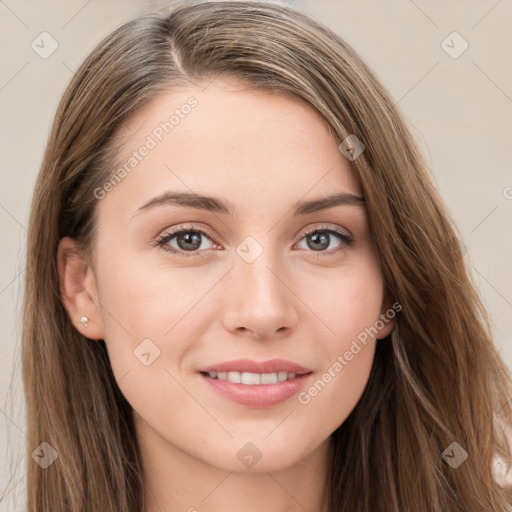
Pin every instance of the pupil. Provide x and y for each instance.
(187, 238)
(316, 239)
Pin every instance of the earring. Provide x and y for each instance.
(84, 321)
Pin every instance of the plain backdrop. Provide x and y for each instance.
(455, 89)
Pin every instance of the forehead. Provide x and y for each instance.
(224, 139)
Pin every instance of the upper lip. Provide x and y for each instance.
(250, 366)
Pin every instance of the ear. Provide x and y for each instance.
(386, 322)
(78, 289)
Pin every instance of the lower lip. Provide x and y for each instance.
(258, 395)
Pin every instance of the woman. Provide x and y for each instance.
(243, 290)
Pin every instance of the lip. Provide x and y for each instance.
(258, 395)
(248, 365)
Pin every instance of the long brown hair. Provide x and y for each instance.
(436, 380)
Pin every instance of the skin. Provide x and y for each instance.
(262, 152)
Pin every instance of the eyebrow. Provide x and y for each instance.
(217, 205)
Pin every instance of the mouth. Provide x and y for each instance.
(252, 379)
(256, 384)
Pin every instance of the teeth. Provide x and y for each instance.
(252, 379)
(269, 378)
(282, 376)
(235, 377)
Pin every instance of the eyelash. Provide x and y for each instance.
(165, 238)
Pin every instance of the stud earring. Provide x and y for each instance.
(84, 321)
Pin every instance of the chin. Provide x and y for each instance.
(258, 456)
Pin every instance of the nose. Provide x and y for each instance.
(259, 303)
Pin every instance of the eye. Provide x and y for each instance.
(319, 240)
(189, 241)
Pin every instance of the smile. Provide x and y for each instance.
(252, 379)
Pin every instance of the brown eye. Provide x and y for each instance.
(320, 240)
(188, 240)
(184, 242)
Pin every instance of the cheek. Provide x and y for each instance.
(151, 300)
(347, 354)
(335, 391)
(150, 316)
(346, 303)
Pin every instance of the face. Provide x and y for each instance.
(243, 319)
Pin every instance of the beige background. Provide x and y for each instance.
(460, 109)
